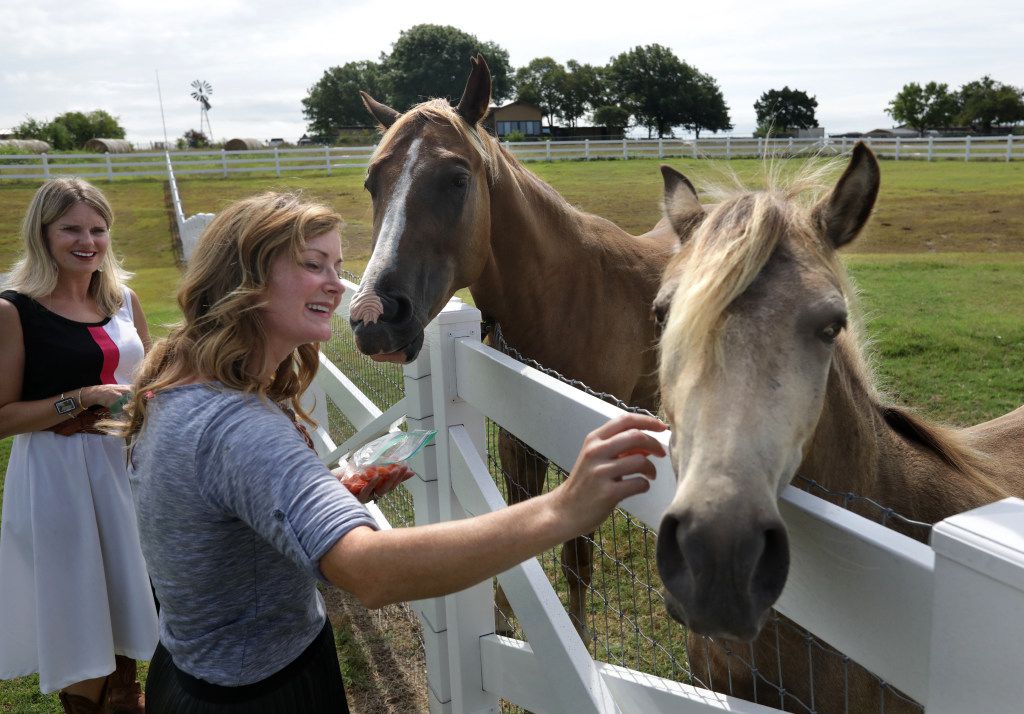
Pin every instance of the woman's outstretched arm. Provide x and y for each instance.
(383, 567)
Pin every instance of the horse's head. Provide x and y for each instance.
(754, 303)
(428, 180)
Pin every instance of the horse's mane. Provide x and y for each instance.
(440, 111)
(728, 250)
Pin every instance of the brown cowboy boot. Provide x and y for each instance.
(123, 689)
(77, 704)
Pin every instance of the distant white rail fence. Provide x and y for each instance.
(327, 159)
(943, 623)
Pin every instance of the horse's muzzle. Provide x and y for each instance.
(722, 575)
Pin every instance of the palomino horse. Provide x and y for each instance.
(763, 378)
(452, 208)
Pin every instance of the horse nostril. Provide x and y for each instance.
(772, 566)
(397, 308)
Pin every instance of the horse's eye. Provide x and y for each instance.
(660, 312)
(367, 186)
(830, 332)
(460, 180)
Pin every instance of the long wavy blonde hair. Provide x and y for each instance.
(35, 274)
(222, 335)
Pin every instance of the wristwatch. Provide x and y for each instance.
(65, 405)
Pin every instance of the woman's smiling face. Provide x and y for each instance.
(78, 240)
(301, 296)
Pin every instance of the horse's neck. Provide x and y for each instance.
(539, 245)
(855, 449)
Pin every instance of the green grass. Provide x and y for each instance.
(940, 270)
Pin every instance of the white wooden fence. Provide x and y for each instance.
(945, 623)
(327, 159)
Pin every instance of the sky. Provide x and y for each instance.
(262, 57)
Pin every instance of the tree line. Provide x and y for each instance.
(648, 85)
(979, 105)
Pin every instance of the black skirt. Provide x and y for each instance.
(310, 684)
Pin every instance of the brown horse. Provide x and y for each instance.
(763, 378)
(453, 208)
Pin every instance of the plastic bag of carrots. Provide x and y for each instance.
(379, 466)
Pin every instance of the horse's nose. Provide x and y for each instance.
(723, 573)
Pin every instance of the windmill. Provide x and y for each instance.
(201, 93)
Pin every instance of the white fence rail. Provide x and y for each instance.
(280, 161)
(944, 623)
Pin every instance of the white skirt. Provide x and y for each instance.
(73, 585)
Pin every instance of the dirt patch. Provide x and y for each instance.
(381, 653)
(954, 222)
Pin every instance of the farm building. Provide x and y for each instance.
(28, 146)
(109, 146)
(521, 117)
(244, 145)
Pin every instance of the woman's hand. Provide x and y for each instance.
(610, 453)
(104, 395)
(372, 482)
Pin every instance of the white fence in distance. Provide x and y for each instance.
(278, 161)
(945, 623)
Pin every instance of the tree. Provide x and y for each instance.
(71, 130)
(334, 101)
(708, 109)
(785, 109)
(583, 91)
(985, 102)
(922, 108)
(433, 61)
(193, 139)
(542, 82)
(661, 91)
(615, 118)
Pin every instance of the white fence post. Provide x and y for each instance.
(586, 149)
(327, 159)
(897, 157)
(277, 162)
(625, 148)
(978, 613)
(46, 165)
(1009, 147)
(420, 415)
(694, 148)
(967, 148)
(760, 147)
(728, 147)
(224, 162)
(110, 169)
(547, 150)
(469, 614)
(931, 147)
(661, 148)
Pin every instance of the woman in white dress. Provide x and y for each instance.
(75, 600)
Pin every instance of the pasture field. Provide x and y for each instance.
(940, 270)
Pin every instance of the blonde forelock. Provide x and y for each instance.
(727, 252)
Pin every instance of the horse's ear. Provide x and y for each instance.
(680, 203)
(381, 112)
(476, 97)
(842, 214)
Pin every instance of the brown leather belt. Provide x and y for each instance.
(84, 423)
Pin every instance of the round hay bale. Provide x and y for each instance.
(244, 145)
(26, 146)
(108, 146)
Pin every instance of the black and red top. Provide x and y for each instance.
(63, 355)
